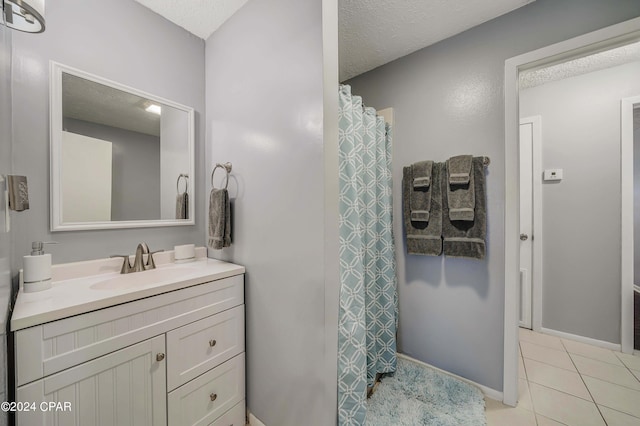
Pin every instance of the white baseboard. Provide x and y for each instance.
(582, 339)
(253, 420)
(488, 392)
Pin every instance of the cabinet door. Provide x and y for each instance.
(126, 387)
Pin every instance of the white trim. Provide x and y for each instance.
(627, 221)
(614, 35)
(253, 420)
(331, 206)
(536, 234)
(581, 339)
(55, 119)
(387, 114)
(487, 391)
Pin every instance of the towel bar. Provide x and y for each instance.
(186, 182)
(226, 166)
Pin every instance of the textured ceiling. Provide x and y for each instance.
(586, 64)
(96, 103)
(199, 17)
(375, 32)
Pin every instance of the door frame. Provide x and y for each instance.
(626, 179)
(536, 233)
(606, 38)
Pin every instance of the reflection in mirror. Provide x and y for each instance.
(120, 158)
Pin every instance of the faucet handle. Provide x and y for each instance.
(126, 264)
(150, 263)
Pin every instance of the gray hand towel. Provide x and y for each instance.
(462, 200)
(424, 238)
(182, 206)
(422, 174)
(459, 169)
(219, 219)
(421, 191)
(18, 193)
(465, 238)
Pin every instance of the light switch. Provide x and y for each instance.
(553, 174)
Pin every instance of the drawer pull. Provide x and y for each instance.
(159, 357)
(213, 396)
(212, 343)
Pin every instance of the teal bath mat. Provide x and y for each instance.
(417, 395)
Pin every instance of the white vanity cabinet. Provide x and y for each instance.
(176, 358)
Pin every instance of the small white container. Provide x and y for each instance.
(184, 253)
(36, 273)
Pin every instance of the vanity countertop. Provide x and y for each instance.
(78, 295)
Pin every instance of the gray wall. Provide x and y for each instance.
(265, 115)
(122, 41)
(448, 100)
(5, 237)
(581, 213)
(135, 179)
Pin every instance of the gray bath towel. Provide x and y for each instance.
(459, 169)
(422, 237)
(421, 191)
(219, 219)
(422, 174)
(182, 206)
(465, 238)
(461, 199)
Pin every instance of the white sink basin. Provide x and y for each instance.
(141, 279)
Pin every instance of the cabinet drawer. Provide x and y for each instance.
(234, 417)
(52, 347)
(198, 347)
(205, 398)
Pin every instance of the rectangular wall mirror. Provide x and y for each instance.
(120, 158)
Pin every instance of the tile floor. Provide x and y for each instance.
(563, 382)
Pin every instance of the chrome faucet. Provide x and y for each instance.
(139, 264)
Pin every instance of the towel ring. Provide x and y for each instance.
(186, 183)
(226, 166)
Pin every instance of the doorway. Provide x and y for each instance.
(616, 35)
(630, 175)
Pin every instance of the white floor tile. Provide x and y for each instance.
(631, 361)
(524, 397)
(545, 421)
(614, 396)
(547, 340)
(636, 373)
(522, 374)
(547, 355)
(590, 351)
(616, 418)
(556, 378)
(499, 414)
(605, 371)
(564, 408)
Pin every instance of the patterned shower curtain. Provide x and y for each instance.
(368, 286)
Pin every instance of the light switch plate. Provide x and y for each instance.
(553, 174)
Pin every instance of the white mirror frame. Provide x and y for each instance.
(55, 107)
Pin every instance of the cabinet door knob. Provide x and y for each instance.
(159, 357)
(213, 396)
(212, 342)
